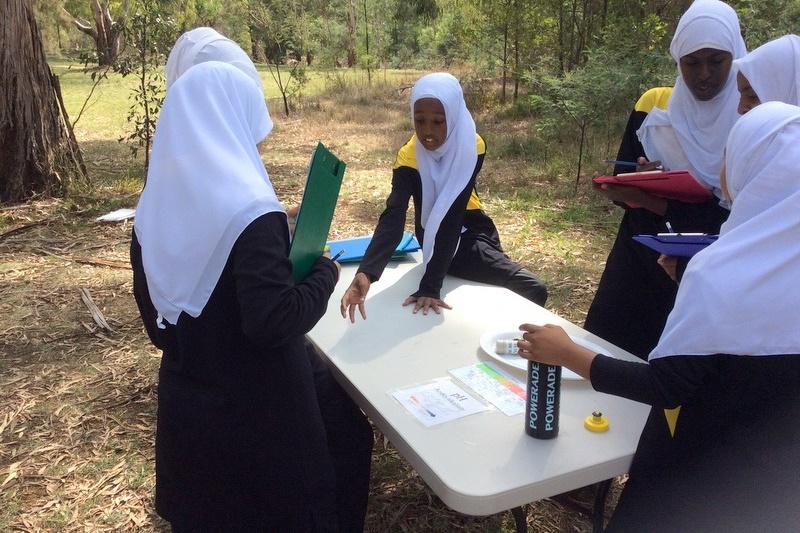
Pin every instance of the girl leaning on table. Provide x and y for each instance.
(728, 358)
(253, 434)
(682, 128)
(438, 168)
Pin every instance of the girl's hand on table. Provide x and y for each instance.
(355, 297)
(425, 303)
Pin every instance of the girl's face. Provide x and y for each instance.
(748, 99)
(430, 123)
(705, 72)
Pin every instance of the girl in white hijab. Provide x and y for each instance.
(690, 134)
(683, 128)
(220, 187)
(206, 44)
(747, 268)
(447, 169)
(727, 360)
(437, 167)
(770, 73)
(241, 440)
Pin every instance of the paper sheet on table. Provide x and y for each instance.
(438, 402)
(494, 385)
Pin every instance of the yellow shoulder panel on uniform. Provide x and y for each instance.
(407, 156)
(474, 202)
(481, 144)
(655, 97)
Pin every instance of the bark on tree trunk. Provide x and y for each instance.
(37, 155)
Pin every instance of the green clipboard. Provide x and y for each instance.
(313, 221)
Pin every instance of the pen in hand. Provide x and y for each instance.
(621, 163)
(338, 255)
(628, 163)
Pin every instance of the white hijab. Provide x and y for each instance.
(773, 70)
(740, 295)
(206, 44)
(446, 171)
(691, 134)
(206, 183)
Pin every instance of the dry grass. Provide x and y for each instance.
(77, 399)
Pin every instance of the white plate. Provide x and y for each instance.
(489, 341)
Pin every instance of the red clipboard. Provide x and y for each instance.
(672, 184)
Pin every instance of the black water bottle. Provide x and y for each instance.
(541, 409)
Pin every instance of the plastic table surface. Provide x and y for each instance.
(483, 463)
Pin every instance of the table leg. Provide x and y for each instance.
(597, 512)
(598, 522)
(520, 519)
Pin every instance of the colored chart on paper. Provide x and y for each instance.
(495, 385)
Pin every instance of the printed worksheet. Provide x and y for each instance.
(494, 385)
(438, 402)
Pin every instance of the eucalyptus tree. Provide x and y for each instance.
(105, 28)
(38, 154)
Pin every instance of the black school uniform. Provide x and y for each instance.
(467, 244)
(635, 295)
(241, 442)
(732, 463)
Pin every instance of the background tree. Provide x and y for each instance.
(104, 29)
(38, 155)
(274, 26)
(151, 34)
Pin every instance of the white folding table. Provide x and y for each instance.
(484, 463)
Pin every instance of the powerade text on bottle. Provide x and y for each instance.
(541, 408)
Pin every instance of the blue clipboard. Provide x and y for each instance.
(677, 244)
(356, 247)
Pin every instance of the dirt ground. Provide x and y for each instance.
(78, 378)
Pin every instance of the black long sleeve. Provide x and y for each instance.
(273, 308)
(407, 185)
(141, 293)
(680, 379)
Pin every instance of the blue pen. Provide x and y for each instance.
(621, 163)
(628, 163)
(337, 256)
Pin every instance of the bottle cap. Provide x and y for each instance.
(596, 422)
(506, 347)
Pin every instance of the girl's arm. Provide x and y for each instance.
(389, 230)
(274, 310)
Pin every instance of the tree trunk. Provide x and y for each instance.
(37, 153)
(350, 41)
(105, 32)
